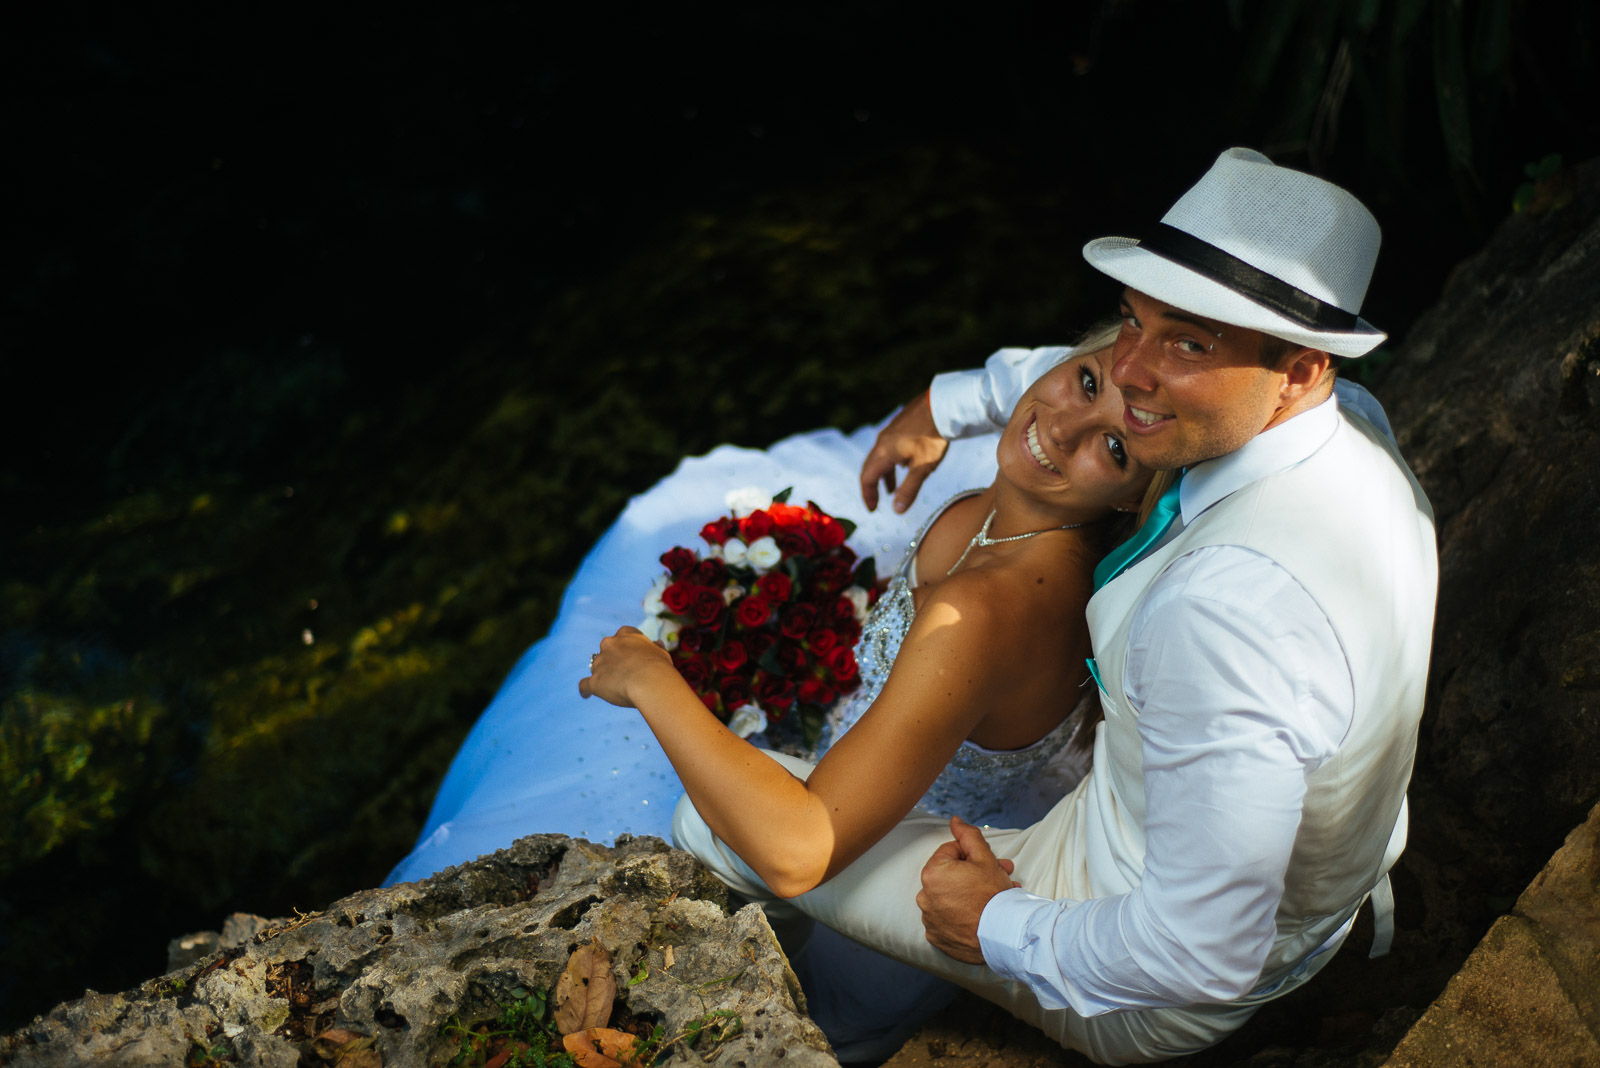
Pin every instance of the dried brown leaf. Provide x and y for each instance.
(344, 1048)
(666, 957)
(600, 1047)
(586, 990)
(361, 1058)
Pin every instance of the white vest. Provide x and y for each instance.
(1353, 527)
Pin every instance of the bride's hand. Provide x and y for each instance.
(911, 440)
(623, 667)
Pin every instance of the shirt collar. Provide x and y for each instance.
(1267, 453)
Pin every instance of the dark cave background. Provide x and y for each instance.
(254, 250)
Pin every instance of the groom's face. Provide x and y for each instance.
(1192, 388)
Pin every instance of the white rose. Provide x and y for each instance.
(750, 719)
(669, 633)
(741, 502)
(651, 626)
(763, 552)
(732, 592)
(713, 551)
(858, 598)
(652, 600)
(734, 552)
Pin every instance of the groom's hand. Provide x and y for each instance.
(911, 440)
(957, 882)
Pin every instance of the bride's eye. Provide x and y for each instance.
(1090, 387)
(1119, 454)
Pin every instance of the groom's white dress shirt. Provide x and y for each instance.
(1241, 691)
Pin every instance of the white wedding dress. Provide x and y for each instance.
(543, 760)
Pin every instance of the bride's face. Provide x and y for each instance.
(1064, 442)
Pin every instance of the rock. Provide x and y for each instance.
(1530, 993)
(186, 949)
(403, 972)
(237, 929)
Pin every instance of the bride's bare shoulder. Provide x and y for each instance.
(1024, 593)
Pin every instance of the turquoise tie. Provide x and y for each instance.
(1161, 516)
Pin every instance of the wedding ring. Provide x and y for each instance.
(591, 663)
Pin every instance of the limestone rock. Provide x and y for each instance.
(398, 966)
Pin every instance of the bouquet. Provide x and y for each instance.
(763, 623)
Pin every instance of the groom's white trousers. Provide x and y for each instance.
(873, 901)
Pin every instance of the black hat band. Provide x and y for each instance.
(1206, 259)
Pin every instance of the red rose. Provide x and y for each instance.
(678, 597)
(797, 619)
(731, 656)
(793, 658)
(828, 531)
(718, 531)
(752, 611)
(794, 542)
(694, 669)
(787, 516)
(816, 692)
(707, 606)
(831, 576)
(773, 692)
(842, 663)
(841, 609)
(695, 640)
(759, 642)
(678, 560)
(849, 632)
(735, 692)
(712, 572)
(711, 701)
(775, 586)
(758, 524)
(822, 641)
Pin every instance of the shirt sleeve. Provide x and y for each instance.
(967, 403)
(1241, 689)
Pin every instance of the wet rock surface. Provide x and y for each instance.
(398, 975)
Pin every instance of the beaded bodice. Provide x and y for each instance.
(978, 783)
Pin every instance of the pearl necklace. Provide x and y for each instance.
(981, 539)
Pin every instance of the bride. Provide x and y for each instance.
(983, 654)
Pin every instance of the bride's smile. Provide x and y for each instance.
(1038, 452)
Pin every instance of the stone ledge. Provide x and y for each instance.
(1529, 995)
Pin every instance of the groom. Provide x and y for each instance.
(1261, 647)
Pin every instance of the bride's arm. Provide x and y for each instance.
(796, 834)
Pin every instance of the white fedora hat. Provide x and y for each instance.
(1259, 246)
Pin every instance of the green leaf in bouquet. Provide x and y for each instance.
(800, 569)
(769, 662)
(848, 524)
(866, 573)
(811, 717)
(782, 496)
